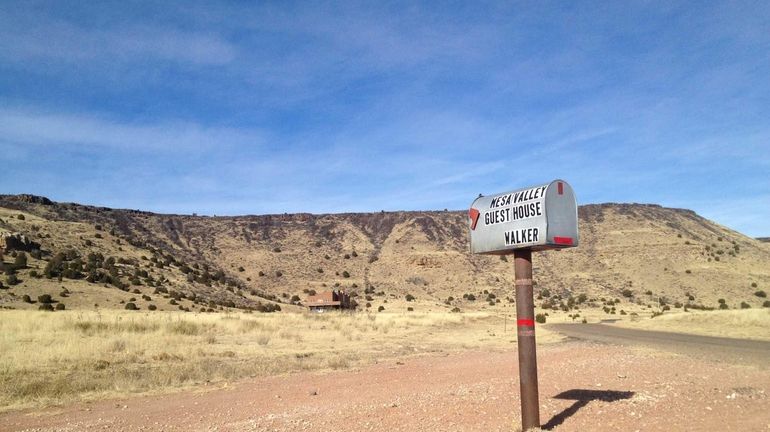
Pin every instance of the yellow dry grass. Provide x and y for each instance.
(743, 324)
(50, 358)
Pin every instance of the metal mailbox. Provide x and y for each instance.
(539, 217)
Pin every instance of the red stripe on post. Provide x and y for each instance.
(560, 187)
(563, 240)
(525, 323)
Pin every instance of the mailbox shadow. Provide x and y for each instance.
(582, 398)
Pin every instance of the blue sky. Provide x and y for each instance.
(248, 108)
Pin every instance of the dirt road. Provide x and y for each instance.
(584, 386)
(741, 351)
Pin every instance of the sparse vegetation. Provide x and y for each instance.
(135, 351)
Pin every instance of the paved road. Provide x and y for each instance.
(730, 350)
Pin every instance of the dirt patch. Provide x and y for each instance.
(584, 386)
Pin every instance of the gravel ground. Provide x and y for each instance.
(584, 386)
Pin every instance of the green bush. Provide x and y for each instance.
(766, 304)
(152, 307)
(26, 298)
(760, 293)
(723, 306)
(409, 297)
(627, 293)
(46, 307)
(381, 308)
(540, 318)
(131, 306)
(345, 274)
(45, 298)
(745, 305)
(60, 306)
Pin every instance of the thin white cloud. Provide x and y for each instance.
(45, 39)
(78, 130)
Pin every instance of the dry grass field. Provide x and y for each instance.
(741, 324)
(53, 358)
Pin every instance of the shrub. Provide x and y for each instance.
(345, 274)
(627, 293)
(12, 279)
(241, 269)
(152, 307)
(760, 293)
(753, 284)
(21, 261)
(688, 271)
(131, 306)
(766, 304)
(276, 249)
(723, 306)
(45, 298)
(60, 306)
(745, 305)
(410, 309)
(540, 318)
(46, 307)
(278, 273)
(409, 297)
(381, 308)
(456, 310)
(26, 298)
(20, 217)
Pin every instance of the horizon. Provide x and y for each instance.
(230, 109)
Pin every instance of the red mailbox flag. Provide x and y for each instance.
(474, 214)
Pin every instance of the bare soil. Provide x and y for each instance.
(584, 386)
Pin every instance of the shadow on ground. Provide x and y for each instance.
(582, 398)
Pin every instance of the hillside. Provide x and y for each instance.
(640, 254)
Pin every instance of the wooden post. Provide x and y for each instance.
(525, 324)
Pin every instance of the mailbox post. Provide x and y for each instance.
(518, 222)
